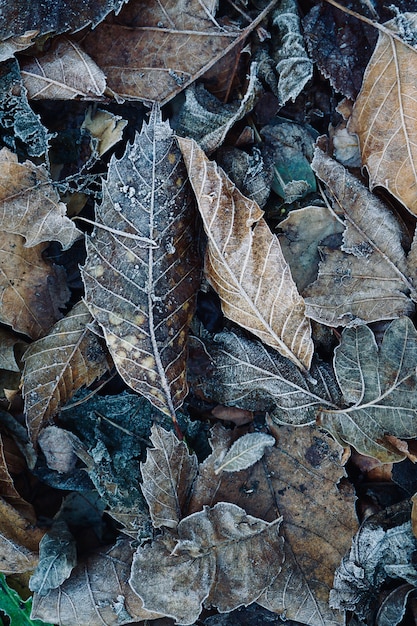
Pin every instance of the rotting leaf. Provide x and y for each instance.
(57, 365)
(246, 451)
(384, 117)
(168, 475)
(63, 73)
(244, 262)
(142, 272)
(214, 547)
(381, 387)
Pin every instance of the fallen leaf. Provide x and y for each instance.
(63, 73)
(58, 449)
(168, 475)
(11, 45)
(380, 385)
(105, 127)
(17, 610)
(57, 365)
(96, 593)
(384, 117)
(367, 279)
(142, 274)
(9, 341)
(32, 291)
(239, 417)
(214, 547)
(392, 610)
(244, 262)
(246, 451)
(30, 204)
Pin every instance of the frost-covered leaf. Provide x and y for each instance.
(380, 384)
(63, 73)
(384, 116)
(142, 274)
(168, 475)
(367, 279)
(57, 365)
(20, 126)
(246, 451)
(251, 172)
(30, 205)
(11, 45)
(208, 561)
(244, 262)
(57, 559)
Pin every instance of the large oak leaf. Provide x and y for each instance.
(245, 264)
(141, 274)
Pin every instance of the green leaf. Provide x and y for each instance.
(15, 608)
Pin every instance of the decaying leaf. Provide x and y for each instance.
(168, 475)
(367, 279)
(63, 73)
(32, 291)
(244, 262)
(384, 117)
(8, 342)
(381, 387)
(246, 451)
(214, 547)
(11, 45)
(30, 205)
(59, 364)
(142, 273)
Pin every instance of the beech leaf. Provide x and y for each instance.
(214, 547)
(59, 364)
(246, 451)
(168, 475)
(380, 384)
(244, 262)
(384, 116)
(141, 273)
(57, 558)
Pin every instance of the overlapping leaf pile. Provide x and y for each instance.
(181, 292)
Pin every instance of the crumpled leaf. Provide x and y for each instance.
(168, 475)
(294, 67)
(105, 128)
(57, 558)
(17, 610)
(214, 547)
(381, 387)
(32, 291)
(63, 73)
(57, 365)
(30, 204)
(246, 451)
(382, 549)
(141, 274)
(247, 374)
(384, 117)
(367, 280)
(244, 262)
(18, 122)
(96, 593)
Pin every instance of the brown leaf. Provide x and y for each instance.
(63, 73)
(142, 51)
(8, 343)
(168, 475)
(30, 204)
(57, 446)
(11, 45)
(7, 489)
(97, 593)
(31, 290)
(141, 274)
(59, 364)
(244, 262)
(384, 117)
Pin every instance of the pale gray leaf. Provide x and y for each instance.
(57, 558)
(246, 451)
(392, 610)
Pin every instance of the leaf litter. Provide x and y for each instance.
(297, 331)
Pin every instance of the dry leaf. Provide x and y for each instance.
(30, 204)
(367, 280)
(11, 45)
(384, 117)
(246, 451)
(141, 274)
(105, 127)
(232, 555)
(8, 491)
(380, 385)
(97, 593)
(244, 262)
(168, 475)
(57, 446)
(63, 73)
(59, 364)
(8, 342)
(32, 291)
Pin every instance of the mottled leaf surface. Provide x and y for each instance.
(141, 274)
(244, 262)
